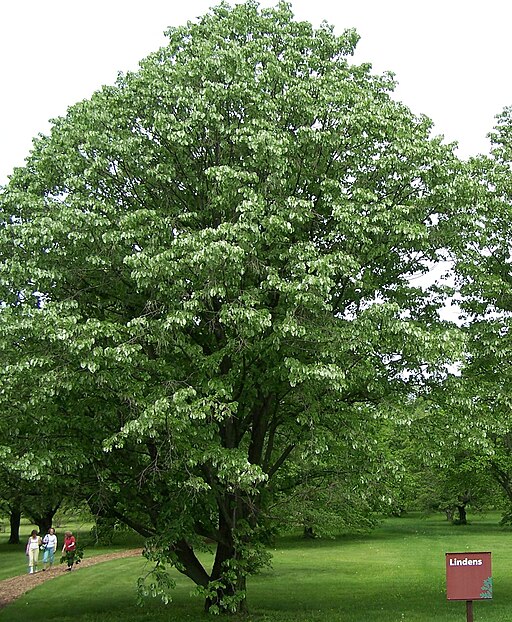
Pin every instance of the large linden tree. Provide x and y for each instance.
(209, 284)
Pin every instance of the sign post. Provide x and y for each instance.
(469, 611)
(469, 578)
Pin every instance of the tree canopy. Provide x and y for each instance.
(210, 284)
(480, 401)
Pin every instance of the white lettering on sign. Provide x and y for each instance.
(466, 562)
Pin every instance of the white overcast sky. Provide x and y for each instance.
(451, 57)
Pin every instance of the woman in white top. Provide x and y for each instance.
(50, 546)
(33, 544)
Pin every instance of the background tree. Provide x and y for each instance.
(456, 488)
(41, 506)
(444, 454)
(10, 505)
(478, 403)
(207, 274)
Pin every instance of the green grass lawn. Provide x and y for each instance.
(395, 574)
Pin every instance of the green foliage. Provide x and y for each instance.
(475, 419)
(207, 274)
(76, 557)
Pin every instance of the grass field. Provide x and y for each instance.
(395, 574)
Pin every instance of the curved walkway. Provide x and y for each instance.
(13, 588)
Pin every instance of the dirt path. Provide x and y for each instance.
(13, 588)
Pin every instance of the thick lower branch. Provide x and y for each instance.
(190, 566)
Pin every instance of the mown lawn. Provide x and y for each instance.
(396, 574)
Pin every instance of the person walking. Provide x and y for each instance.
(50, 546)
(69, 549)
(32, 551)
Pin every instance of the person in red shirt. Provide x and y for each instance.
(69, 549)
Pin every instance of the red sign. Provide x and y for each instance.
(468, 576)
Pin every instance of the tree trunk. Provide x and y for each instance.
(45, 522)
(14, 522)
(229, 592)
(220, 603)
(462, 520)
(227, 582)
(43, 519)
